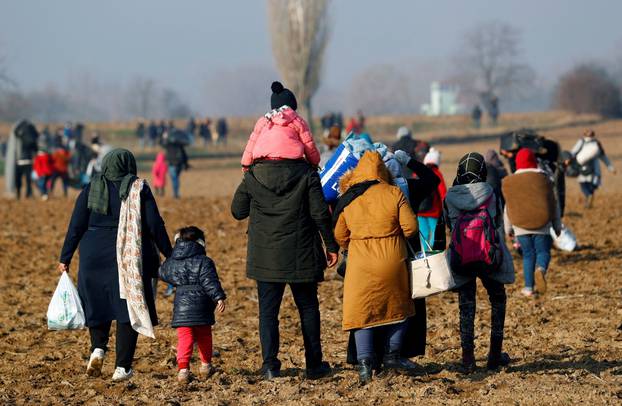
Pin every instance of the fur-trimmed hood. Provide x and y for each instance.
(370, 167)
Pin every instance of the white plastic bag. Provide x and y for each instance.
(566, 240)
(65, 310)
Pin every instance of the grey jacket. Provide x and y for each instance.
(462, 198)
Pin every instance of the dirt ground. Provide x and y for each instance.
(566, 347)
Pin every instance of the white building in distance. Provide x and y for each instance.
(443, 101)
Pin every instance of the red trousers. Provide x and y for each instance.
(186, 337)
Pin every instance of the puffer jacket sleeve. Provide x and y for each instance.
(241, 203)
(311, 152)
(407, 218)
(210, 282)
(167, 273)
(320, 214)
(247, 157)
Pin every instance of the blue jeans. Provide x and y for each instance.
(536, 252)
(174, 172)
(42, 184)
(365, 340)
(427, 227)
(588, 188)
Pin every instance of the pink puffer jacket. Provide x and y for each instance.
(281, 134)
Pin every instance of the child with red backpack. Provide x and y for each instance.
(477, 250)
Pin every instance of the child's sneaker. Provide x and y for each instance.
(540, 276)
(120, 374)
(183, 376)
(205, 370)
(527, 292)
(96, 361)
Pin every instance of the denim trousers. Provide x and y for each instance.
(536, 252)
(174, 173)
(365, 339)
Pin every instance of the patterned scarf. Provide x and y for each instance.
(130, 261)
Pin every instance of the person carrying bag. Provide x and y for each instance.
(466, 202)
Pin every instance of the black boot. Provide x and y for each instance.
(496, 358)
(320, 371)
(393, 360)
(365, 371)
(468, 361)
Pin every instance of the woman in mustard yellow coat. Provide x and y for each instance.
(373, 220)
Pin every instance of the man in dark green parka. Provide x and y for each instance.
(288, 221)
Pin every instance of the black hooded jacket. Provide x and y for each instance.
(288, 219)
(198, 286)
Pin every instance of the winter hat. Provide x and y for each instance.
(471, 169)
(282, 97)
(433, 157)
(526, 159)
(403, 132)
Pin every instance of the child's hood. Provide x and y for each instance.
(282, 116)
(187, 249)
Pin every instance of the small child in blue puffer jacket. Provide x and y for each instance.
(198, 294)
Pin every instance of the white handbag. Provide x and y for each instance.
(430, 273)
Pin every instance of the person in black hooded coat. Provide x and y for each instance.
(288, 221)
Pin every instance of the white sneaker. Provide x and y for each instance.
(94, 367)
(120, 374)
(527, 292)
(183, 376)
(205, 370)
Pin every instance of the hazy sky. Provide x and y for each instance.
(181, 42)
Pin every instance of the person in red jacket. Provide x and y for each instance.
(431, 209)
(60, 162)
(43, 168)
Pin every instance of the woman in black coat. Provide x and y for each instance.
(93, 227)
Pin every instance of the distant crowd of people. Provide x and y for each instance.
(152, 134)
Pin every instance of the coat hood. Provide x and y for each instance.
(280, 177)
(370, 167)
(469, 196)
(186, 249)
(282, 116)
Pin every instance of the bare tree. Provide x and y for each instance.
(490, 62)
(140, 95)
(299, 30)
(589, 88)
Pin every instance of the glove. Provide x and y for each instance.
(402, 157)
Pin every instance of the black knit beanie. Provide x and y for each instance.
(471, 169)
(282, 97)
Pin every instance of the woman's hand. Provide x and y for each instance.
(220, 306)
(63, 267)
(331, 259)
